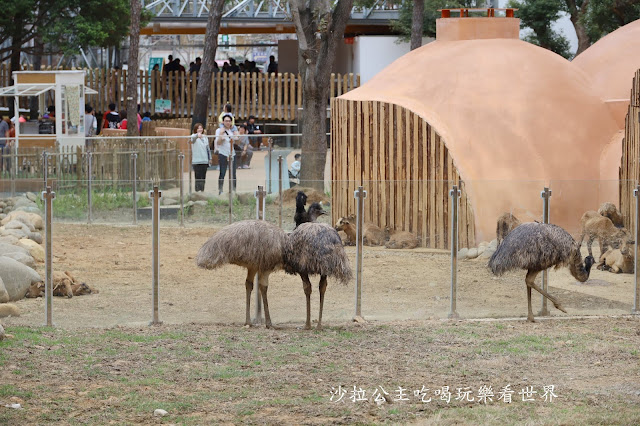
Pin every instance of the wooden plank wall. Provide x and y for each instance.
(273, 97)
(630, 163)
(405, 167)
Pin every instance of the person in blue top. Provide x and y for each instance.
(200, 155)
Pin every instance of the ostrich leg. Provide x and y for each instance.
(263, 282)
(249, 286)
(529, 280)
(530, 283)
(323, 288)
(306, 285)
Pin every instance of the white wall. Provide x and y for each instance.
(371, 54)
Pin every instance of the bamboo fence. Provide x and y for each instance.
(630, 163)
(403, 164)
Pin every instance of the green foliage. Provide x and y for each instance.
(403, 24)
(605, 16)
(538, 16)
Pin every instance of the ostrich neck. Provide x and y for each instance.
(579, 270)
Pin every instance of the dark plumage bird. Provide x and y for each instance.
(314, 211)
(536, 247)
(316, 249)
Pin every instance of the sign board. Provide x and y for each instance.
(154, 61)
(163, 106)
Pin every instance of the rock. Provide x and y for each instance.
(24, 202)
(493, 244)
(198, 196)
(2, 333)
(200, 203)
(3, 204)
(23, 258)
(159, 412)
(481, 249)
(18, 233)
(35, 250)
(16, 224)
(462, 253)
(31, 196)
(28, 209)
(9, 239)
(17, 278)
(472, 254)
(487, 253)
(169, 201)
(246, 198)
(483, 244)
(2, 216)
(8, 248)
(33, 219)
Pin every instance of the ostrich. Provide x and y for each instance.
(536, 247)
(314, 211)
(315, 248)
(254, 244)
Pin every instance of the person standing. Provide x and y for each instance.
(222, 147)
(273, 65)
(90, 125)
(200, 155)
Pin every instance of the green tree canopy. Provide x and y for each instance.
(538, 16)
(605, 16)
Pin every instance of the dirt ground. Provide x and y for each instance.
(397, 285)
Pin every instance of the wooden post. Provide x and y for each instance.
(48, 196)
(359, 195)
(155, 196)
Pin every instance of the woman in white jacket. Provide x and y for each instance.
(223, 146)
(200, 155)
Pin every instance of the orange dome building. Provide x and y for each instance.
(480, 108)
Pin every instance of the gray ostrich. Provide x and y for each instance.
(316, 249)
(536, 247)
(254, 244)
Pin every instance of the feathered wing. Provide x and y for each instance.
(253, 243)
(533, 246)
(316, 249)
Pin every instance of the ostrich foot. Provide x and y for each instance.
(559, 307)
(530, 318)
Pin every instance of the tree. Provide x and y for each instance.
(132, 78)
(538, 15)
(605, 16)
(200, 112)
(404, 24)
(577, 10)
(417, 19)
(320, 26)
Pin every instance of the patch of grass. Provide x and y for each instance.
(74, 204)
(519, 345)
(8, 390)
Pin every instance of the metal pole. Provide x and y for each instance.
(280, 190)
(545, 195)
(181, 159)
(48, 196)
(257, 318)
(636, 299)
(14, 164)
(270, 142)
(359, 195)
(45, 167)
(89, 184)
(454, 193)
(134, 157)
(190, 168)
(231, 170)
(155, 196)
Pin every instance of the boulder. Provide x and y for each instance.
(24, 202)
(9, 239)
(473, 253)
(28, 209)
(33, 219)
(200, 203)
(31, 196)
(199, 196)
(23, 258)
(16, 277)
(493, 244)
(35, 250)
(169, 201)
(2, 216)
(8, 248)
(462, 253)
(18, 233)
(16, 224)
(487, 253)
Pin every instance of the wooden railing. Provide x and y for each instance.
(266, 96)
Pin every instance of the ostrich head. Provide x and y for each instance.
(588, 263)
(301, 199)
(315, 210)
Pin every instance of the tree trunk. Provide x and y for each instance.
(319, 27)
(417, 23)
(132, 74)
(576, 15)
(201, 110)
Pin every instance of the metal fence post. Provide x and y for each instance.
(280, 190)
(181, 160)
(155, 196)
(191, 168)
(48, 196)
(231, 182)
(89, 184)
(454, 193)
(270, 143)
(545, 195)
(45, 167)
(134, 158)
(636, 299)
(359, 195)
(13, 153)
(258, 319)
